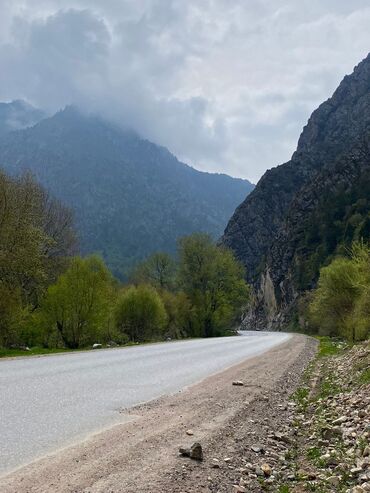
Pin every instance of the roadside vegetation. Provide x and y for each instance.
(51, 299)
(340, 305)
(329, 423)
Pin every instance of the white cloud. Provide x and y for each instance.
(227, 86)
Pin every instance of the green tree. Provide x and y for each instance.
(158, 270)
(214, 282)
(140, 313)
(340, 304)
(36, 237)
(78, 305)
(178, 311)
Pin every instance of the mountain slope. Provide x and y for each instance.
(304, 211)
(17, 115)
(131, 197)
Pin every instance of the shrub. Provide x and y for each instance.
(140, 313)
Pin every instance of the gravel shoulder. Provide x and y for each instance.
(142, 455)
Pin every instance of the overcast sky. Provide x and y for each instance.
(226, 85)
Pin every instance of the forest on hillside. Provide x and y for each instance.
(53, 298)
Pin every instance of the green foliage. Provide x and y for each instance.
(365, 376)
(50, 299)
(78, 305)
(178, 311)
(131, 197)
(340, 304)
(36, 237)
(214, 283)
(158, 270)
(328, 347)
(341, 217)
(140, 313)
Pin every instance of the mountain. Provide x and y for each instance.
(17, 115)
(309, 209)
(130, 196)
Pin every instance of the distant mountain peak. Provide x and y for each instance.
(131, 197)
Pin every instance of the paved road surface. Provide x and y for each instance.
(53, 401)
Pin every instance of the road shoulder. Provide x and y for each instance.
(143, 454)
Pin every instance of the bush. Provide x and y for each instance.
(140, 313)
(340, 304)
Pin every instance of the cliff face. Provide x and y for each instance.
(304, 211)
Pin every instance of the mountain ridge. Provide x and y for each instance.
(131, 196)
(264, 232)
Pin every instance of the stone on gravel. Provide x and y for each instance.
(257, 449)
(266, 469)
(196, 451)
(190, 432)
(238, 383)
(333, 480)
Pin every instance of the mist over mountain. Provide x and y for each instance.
(131, 197)
(304, 212)
(18, 115)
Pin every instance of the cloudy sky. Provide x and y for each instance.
(225, 84)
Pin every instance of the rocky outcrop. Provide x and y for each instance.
(273, 232)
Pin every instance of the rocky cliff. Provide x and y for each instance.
(308, 209)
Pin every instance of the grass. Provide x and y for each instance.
(329, 347)
(365, 376)
(9, 353)
(284, 489)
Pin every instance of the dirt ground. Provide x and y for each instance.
(142, 455)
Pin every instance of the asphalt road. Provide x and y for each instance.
(50, 402)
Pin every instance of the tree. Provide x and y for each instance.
(214, 282)
(340, 304)
(79, 303)
(36, 237)
(158, 270)
(140, 313)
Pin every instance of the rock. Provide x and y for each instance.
(239, 488)
(357, 489)
(332, 432)
(340, 420)
(366, 452)
(96, 346)
(184, 451)
(266, 229)
(190, 432)
(266, 469)
(195, 452)
(227, 459)
(333, 480)
(238, 383)
(257, 449)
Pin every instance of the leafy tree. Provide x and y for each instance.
(140, 313)
(214, 282)
(79, 303)
(178, 311)
(340, 304)
(158, 270)
(36, 237)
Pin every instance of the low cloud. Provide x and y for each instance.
(226, 86)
